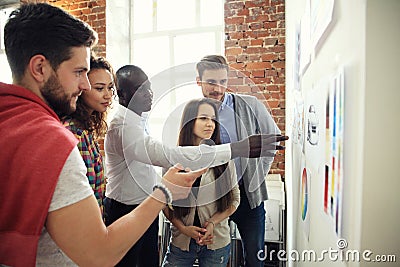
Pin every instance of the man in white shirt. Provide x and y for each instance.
(127, 189)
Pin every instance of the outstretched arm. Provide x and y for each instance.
(79, 231)
(130, 140)
(258, 145)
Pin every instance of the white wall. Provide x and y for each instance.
(361, 38)
(380, 211)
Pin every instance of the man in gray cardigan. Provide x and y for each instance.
(241, 116)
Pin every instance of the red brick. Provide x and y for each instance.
(230, 27)
(273, 104)
(229, 58)
(237, 66)
(258, 73)
(278, 80)
(244, 43)
(234, 20)
(233, 51)
(278, 112)
(255, 50)
(101, 15)
(271, 41)
(256, 11)
(276, 17)
(250, 34)
(243, 89)
(272, 88)
(236, 81)
(264, 33)
(254, 58)
(272, 73)
(76, 13)
(270, 24)
(230, 43)
(234, 5)
(256, 42)
(236, 35)
(242, 73)
(277, 49)
(83, 5)
(242, 27)
(255, 26)
(86, 11)
(258, 3)
(255, 18)
(277, 2)
(270, 10)
(263, 80)
(278, 64)
(269, 57)
(258, 65)
(243, 12)
(241, 58)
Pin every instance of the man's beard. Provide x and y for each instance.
(58, 100)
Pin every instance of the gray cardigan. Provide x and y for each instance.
(252, 117)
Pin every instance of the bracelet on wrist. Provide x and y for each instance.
(209, 221)
(167, 194)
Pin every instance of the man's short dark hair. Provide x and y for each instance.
(211, 62)
(43, 29)
(129, 80)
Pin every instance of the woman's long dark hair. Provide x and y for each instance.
(187, 138)
(95, 122)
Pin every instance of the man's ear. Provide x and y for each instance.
(198, 81)
(39, 67)
(121, 97)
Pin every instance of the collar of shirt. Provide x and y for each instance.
(227, 102)
(127, 115)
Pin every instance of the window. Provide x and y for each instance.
(165, 38)
(5, 73)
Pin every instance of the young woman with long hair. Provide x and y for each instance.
(88, 122)
(200, 227)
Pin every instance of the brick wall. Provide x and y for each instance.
(255, 48)
(92, 12)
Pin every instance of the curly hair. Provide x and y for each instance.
(95, 122)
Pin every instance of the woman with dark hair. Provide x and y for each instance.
(200, 227)
(88, 122)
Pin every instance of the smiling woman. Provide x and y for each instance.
(88, 122)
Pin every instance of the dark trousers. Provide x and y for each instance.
(145, 251)
(251, 226)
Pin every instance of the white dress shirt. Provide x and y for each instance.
(126, 145)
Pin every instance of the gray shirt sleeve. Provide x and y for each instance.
(72, 185)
